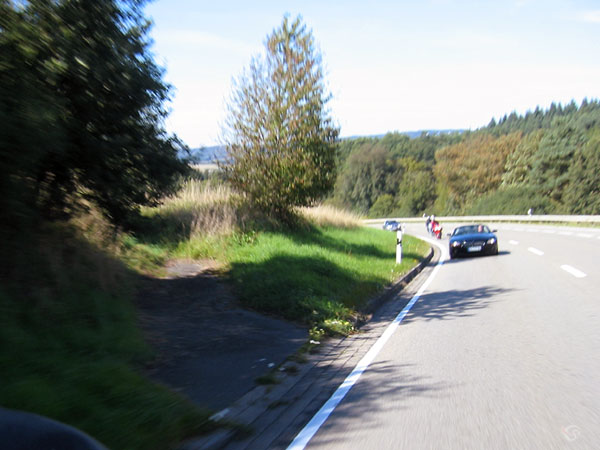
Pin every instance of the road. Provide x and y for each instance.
(498, 352)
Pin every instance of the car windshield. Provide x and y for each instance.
(471, 229)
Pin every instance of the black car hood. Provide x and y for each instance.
(473, 237)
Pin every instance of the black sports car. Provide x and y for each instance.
(473, 239)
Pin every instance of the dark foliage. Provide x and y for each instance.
(81, 110)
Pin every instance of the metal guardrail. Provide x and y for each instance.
(508, 218)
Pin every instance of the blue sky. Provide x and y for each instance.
(390, 65)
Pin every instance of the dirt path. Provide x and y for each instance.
(207, 346)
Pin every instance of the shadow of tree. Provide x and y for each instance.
(460, 258)
(385, 387)
(454, 303)
(280, 283)
(388, 385)
(317, 237)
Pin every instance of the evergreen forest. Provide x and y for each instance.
(546, 160)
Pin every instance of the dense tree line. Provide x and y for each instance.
(81, 111)
(547, 160)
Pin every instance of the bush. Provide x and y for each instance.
(512, 200)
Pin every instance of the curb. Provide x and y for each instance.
(258, 400)
(391, 290)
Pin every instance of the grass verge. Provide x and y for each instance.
(70, 349)
(322, 276)
(320, 273)
(69, 345)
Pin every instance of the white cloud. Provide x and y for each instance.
(590, 16)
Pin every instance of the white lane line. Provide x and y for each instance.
(573, 271)
(566, 233)
(311, 428)
(535, 251)
(585, 235)
(549, 231)
(513, 242)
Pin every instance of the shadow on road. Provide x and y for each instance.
(454, 303)
(386, 387)
(462, 258)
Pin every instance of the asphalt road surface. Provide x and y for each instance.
(499, 352)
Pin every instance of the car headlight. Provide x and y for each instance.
(491, 241)
(456, 244)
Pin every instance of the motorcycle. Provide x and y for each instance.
(436, 230)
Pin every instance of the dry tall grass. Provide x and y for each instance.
(326, 215)
(203, 208)
(208, 209)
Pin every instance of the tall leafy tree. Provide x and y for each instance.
(549, 171)
(416, 192)
(582, 196)
(279, 135)
(99, 98)
(473, 167)
(369, 172)
(28, 115)
(519, 163)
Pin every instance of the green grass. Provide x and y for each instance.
(319, 275)
(70, 349)
(322, 276)
(74, 363)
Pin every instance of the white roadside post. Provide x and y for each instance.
(399, 244)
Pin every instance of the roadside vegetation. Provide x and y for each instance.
(319, 272)
(546, 160)
(70, 347)
(95, 192)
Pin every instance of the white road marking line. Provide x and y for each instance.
(513, 242)
(535, 251)
(566, 233)
(573, 271)
(311, 428)
(218, 416)
(585, 235)
(549, 231)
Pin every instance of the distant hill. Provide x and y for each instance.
(210, 155)
(410, 134)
